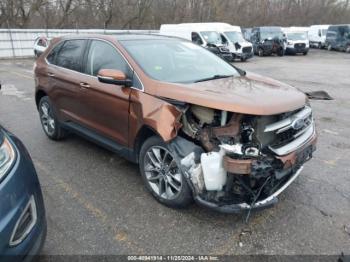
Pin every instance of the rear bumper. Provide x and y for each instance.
(16, 190)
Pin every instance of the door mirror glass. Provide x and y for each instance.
(113, 76)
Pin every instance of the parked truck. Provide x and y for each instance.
(268, 40)
(200, 35)
(317, 35)
(338, 38)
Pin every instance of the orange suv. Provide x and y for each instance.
(198, 127)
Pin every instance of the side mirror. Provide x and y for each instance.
(115, 77)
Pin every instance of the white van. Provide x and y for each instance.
(220, 34)
(297, 40)
(317, 35)
(233, 38)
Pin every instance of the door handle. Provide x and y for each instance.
(84, 85)
(50, 74)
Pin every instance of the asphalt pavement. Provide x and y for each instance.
(96, 202)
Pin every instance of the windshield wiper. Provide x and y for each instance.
(213, 78)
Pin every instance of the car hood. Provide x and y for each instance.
(249, 94)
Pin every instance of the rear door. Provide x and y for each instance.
(105, 107)
(65, 75)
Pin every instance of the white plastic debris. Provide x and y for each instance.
(188, 161)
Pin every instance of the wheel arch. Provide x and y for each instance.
(38, 95)
(143, 134)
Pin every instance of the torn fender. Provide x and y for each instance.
(147, 110)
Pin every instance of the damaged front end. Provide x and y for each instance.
(235, 162)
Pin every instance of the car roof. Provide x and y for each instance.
(119, 36)
(263, 28)
(342, 25)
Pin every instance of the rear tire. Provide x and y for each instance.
(161, 174)
(48, 119)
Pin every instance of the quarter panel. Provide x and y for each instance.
(147, 110)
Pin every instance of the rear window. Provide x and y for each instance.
(70, 55)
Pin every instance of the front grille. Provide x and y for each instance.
(299, 46)
(247, 50)
(290, 131)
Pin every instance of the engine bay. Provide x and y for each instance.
(228, 158)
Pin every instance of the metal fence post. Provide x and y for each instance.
(11, 40)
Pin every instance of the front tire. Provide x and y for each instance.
(347, 50)
(48, 119)
(161, 174)
(280, 52)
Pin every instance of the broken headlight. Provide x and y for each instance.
(7, 156)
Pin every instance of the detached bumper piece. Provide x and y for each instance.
(241, 207)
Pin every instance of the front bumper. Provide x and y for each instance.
(16, 190)
(238, 208)
(290, 162)
(226, 56)
(293, 50)
(243, 55)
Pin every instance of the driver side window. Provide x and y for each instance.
(223, 39)
(196, 39)
(104, 56)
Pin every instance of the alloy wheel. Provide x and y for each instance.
(162, 172)
(47, 119)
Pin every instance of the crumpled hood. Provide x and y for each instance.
(250, 94)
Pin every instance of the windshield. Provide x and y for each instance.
(297, 36)
(177, 61)
(235, 37)
(271, 34)
(212, 37)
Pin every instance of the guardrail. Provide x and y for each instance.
(19, 43)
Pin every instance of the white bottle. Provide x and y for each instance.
(214, 173)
